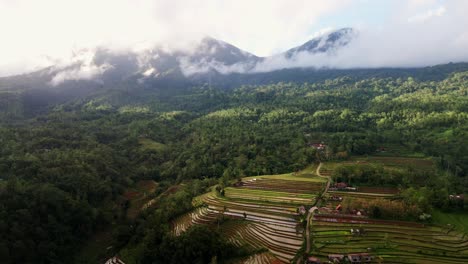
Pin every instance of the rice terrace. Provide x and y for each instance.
(348, 223)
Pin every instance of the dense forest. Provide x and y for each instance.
(63, 171)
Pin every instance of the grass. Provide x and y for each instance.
(389, 163)
(396, 150)
(289, 177)
(264, 193)
(307, 174)
(458, 220)
(148, 144)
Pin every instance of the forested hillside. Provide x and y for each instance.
(64, 171)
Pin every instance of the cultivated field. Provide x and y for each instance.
(333, 232)
(261, 212)
(388, 241)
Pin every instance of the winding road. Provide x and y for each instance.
(311, 210)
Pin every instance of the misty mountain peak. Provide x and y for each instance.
(326, 43)
(211, 49)
(207, 56)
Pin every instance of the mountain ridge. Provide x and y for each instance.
(208, 55)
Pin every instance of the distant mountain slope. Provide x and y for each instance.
(207, 57)
(326, 43)
(160, 71)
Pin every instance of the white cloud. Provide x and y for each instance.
(40, 33)
(80, 66)
(428, 15)
(83, 72)
(32, 29)
(434, 35)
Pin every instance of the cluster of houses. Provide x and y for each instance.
(342, 186)
(339, 258)
(335, 198)
(114, 260)
(457, 200)
(318, 146)
(358, 231)
(358, 212)
(456, 197)
(240, 183)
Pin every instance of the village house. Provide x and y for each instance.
(360, 258)
(336, 258)
(239, 184)
(336, 198)
(360, 212)
(457, 197)
(302, 210)
(341, 185)
(318, 146)
(338, 207)
(114, 260)
(381, 149)
(357, 231)
(313, 260)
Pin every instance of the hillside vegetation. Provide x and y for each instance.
(64, 171)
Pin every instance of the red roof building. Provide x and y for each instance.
(341, 185)
(313, 260)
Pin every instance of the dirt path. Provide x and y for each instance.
(311, 210)
(320, 175)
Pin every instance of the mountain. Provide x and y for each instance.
(326, 43)
(135, 75)
(218, 51)
(208, 57)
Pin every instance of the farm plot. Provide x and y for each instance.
(269, 196)
(283, 185)
(358, 194)
(388, 241)
(260, 213)
(200, 215)
(419, 163)
(262, 258)
(379, 190)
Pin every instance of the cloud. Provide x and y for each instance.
(37, 34)
(420, 34)
(80, 67)
(428, 15)
(34, 31)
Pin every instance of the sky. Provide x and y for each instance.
(36, 34)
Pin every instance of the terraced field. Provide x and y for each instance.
(262, 213)
(390, 242)
(387, 241)
(262, 258)
(358, 194)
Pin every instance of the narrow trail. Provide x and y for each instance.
(311, 210)
(320, 175)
